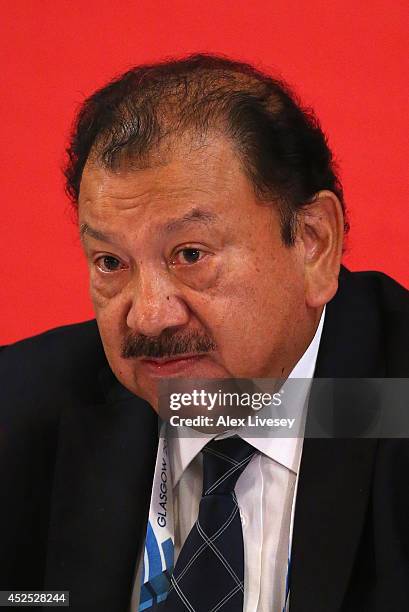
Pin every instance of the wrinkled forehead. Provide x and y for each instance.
(206, 171)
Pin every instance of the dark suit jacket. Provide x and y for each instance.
(77, 454)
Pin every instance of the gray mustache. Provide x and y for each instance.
(168, 344)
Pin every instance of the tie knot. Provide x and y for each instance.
(223, 462)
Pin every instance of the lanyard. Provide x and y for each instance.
(158, 558)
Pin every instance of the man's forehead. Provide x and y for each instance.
(210, 168)
(169, 225)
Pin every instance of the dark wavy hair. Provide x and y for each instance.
(281, 145)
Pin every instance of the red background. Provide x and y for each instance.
(347, 59)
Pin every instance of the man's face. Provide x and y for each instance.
(189, 276)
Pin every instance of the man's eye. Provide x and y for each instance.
(107, 263)
(188, 256)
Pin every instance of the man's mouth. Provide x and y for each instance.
(168, 366)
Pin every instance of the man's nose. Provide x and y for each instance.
(155, 305)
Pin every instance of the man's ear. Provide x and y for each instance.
(321, 227)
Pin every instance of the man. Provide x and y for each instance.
(212, 219)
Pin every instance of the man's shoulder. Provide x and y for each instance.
(390, 295)
(68, 348)
(54, 367)
(366, 328)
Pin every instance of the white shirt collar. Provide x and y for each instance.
(183, 448)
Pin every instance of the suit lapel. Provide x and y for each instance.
(103, 476)
(335, 474)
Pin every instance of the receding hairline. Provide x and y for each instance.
(179, 105)
(187, 143)
(280, 143)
